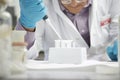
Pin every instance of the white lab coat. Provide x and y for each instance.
(100, 10)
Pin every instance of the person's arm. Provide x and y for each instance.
(33, 45)
(115, 13)
(31, 11)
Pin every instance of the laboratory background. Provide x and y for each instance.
(14, 64)
(14, 10)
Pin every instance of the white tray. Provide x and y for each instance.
(88, 66)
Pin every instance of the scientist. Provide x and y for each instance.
(90, 23)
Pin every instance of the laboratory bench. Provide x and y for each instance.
(90, 70)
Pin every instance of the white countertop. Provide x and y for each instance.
(88, 71)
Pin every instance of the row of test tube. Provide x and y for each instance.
(64, 44)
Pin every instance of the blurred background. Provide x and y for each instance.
(13, 9)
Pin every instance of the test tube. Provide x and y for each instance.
(57, 43)
(63, 44)
(69, 43)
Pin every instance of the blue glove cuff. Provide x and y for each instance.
(112, 51)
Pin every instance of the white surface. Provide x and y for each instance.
(38, 65)
(67, 55)
(88, 66)
(107, 68)
(41, 70)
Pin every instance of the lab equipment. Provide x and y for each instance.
(31, 12)
(64, 43)
(63, 51)
(69, 43)
(47, 20)
(5, 40)
(18, 52)
(57, 43)
(67, 55)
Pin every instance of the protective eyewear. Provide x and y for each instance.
(70, 1)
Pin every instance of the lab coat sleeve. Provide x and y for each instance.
(38, 44)
(115, 13)
(115, 8)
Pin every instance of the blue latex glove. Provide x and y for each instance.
(112, 51)
(31, 12)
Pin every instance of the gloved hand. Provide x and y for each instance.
(112, 51)
(31, 12)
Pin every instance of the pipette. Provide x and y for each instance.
(47, 20)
